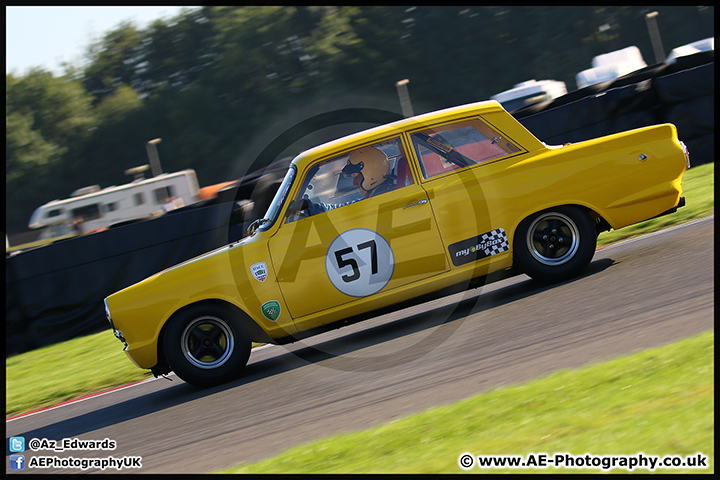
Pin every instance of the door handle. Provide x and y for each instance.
(421, 202)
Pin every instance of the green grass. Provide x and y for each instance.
(67, 370)
(658, 402)
(39, 243)
(80, 366)
(89, 364)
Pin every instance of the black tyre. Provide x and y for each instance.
(206, 345)
(556, 244)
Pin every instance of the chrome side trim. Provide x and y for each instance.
(421, 202)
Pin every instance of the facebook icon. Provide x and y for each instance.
(17, 462)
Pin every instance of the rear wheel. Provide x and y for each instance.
(555, 244)
(206, 345)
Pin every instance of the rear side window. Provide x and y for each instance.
(88, 212)
(459, 145)
(164, 194)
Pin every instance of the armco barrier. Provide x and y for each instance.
(55, 292)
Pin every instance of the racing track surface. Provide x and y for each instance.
(635, 295)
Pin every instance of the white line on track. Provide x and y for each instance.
(81, 399)
(664, 230)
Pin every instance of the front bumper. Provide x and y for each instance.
(118, 334)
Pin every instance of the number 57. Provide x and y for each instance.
(344, 262)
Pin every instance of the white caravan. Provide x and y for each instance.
(92, 208)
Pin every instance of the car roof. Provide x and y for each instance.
(381, 131)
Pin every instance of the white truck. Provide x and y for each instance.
(530, 92)
(610, 66)
(92, 208)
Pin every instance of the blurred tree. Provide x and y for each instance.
(48, 120)
(116, 107)
(260, 56)
(61, 110)
(117, 142)
(369, 52)
(27, 158)
(113, 60)
(25, 149)
(176, 51)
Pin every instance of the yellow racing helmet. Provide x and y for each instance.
(369, 166)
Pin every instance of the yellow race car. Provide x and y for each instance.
(390, 215)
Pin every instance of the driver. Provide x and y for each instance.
(369, 168)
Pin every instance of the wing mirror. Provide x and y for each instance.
(255, 225)
(297, 206)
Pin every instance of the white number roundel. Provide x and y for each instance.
(359, 262)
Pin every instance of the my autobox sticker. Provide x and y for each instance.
(359, 262)
(482, 246)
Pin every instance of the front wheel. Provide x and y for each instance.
(206, 345)
(556, 244)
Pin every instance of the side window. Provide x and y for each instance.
(163, 194)
(450, 147)
(355, 175)
(87, 212)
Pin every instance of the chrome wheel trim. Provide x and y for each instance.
(553, 239)
(207, 342)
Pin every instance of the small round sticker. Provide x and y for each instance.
(359, 262)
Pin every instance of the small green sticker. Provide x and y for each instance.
(271, 310)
